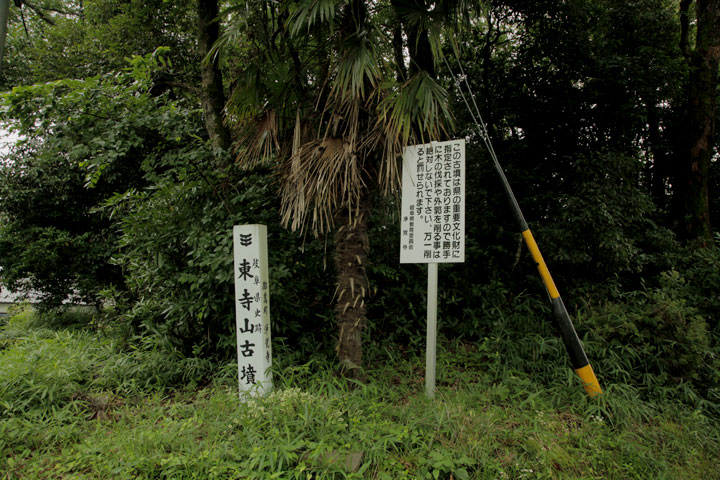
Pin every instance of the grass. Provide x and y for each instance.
(83, 405)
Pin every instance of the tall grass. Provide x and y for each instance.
(79, 404)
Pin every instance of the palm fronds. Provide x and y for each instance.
(414, 112)
(261, 111)
(359, 68)
(331, 125)
(310, 13)
(261, 142)
(322, 176)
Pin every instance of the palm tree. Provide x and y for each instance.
(323, 95)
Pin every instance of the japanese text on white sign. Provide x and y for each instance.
(432, 226)
(252, 308)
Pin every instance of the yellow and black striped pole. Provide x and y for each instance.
(574, 347)
(572, 343)
(567, 330)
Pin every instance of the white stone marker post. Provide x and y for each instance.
(252, 309)
(432, 226)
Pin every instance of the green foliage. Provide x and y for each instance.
(321, 104)
(600, 230)
(700, 268)
(582, 116)
(112, 191)
(44, 368)
(161, 241)
(421, 103)
(473, 295)
(80, 142)
(486, 421)
(176, 252)
(659, 338)
(95, 37)
(581, 102)
(656, 332)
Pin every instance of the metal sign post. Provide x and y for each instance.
(431, 346)
(433, 222)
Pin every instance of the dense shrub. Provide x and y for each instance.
(655, 330)
(176, 253)
(669, 337)
(50, 239)
(602, 224)
(700, 267)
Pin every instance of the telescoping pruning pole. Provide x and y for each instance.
(574, 347)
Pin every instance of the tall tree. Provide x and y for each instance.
(212, 95)
(318, 99)
(93, 37)
(703, 60)
(82, 141)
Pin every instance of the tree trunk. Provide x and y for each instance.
(398, 54)
(418, 41)
(657, 170)
(351, 248)
(212, 96)
(702, 110)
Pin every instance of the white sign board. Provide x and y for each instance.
(252, 308)
(432, 226)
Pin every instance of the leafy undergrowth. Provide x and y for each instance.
(77, 404)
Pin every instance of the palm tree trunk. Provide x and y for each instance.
(418, 41)
(351, 248)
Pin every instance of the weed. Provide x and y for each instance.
(76, 405)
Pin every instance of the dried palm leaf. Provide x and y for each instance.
(322, 177)
(259, 141)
